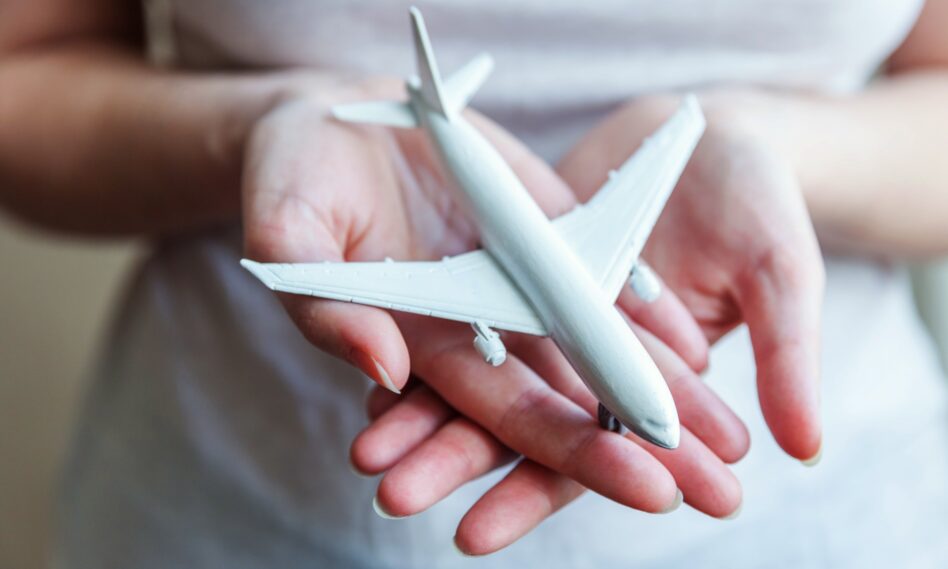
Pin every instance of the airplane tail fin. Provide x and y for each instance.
(431, 88)
(446, 97)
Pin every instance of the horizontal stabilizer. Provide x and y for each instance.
(388, 113)
(464, 83)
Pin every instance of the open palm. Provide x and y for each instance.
(736, 244)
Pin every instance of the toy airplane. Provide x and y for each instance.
(557, 278)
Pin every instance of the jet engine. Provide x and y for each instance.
(644, 282)
(488, 344)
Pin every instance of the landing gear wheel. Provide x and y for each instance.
(608, 421)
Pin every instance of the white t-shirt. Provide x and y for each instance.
(215, 436)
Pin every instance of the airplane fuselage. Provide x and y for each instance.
(584, 324)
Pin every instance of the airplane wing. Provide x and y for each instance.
(609, 231)
(468, 288)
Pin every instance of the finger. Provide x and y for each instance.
(546, 359)
(670, 321)
(379, 401)
(706, 483)
(780, 301)
(699, 408)
(529, 494)
(366, 337)
(458, 453)
(398, 431)
(525, 414)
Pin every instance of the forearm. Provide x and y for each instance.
(873, 165)
(94, 140)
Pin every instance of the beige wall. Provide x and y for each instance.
(54, 299)
(54, 302)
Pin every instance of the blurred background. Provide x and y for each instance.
(56, 298)
(55, 301)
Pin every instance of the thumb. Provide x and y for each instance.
(366, 337)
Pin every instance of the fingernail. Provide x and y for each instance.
(381, 511)
(676, 503)
(384, 378)
(815, 459)
(372, 368)
(735, 513)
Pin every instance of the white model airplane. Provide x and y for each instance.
(557, 278)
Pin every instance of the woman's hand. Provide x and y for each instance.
(736, 244)
(317, 189)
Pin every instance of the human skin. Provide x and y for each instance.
(189, 142)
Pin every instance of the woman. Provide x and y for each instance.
(215, 434)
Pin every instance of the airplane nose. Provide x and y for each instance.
(664, 432)
(660, 433)
(657, 423)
